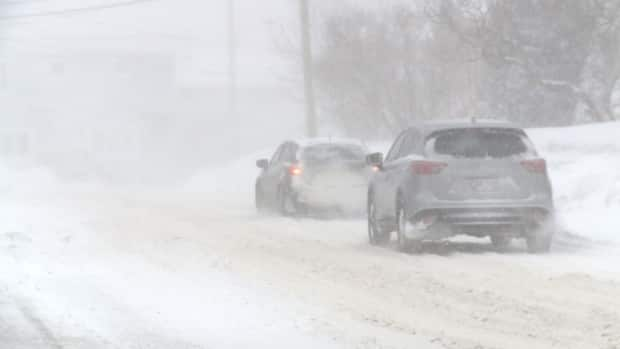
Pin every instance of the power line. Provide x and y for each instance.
(72, 11)
(18, 2)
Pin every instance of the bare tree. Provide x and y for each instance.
(536, 62)
(602, 67)
(551, 61)
(379, 72)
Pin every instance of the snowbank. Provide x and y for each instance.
(584, 164)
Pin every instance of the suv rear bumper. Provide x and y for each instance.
(444, 219)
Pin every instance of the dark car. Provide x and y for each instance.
(477, 178)
(314, 176)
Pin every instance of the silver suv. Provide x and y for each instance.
(478, 178)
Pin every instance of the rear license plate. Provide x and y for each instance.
(485, 186)
(493, 185)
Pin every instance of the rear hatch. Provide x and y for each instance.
(334, 165)
(334, 174)
(484, 164)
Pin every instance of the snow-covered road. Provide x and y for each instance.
(93, 268)
(99, 271)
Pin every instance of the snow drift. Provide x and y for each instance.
(584, 164)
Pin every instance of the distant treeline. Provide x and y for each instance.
(536, 62)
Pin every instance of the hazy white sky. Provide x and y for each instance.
(195, 31)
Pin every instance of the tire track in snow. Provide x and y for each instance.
(49, 340)
(39, 326)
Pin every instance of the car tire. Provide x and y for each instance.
(376, 236)
(500, 242)
(405, 244)
(539, 242)
(287, 206)
(259, 200)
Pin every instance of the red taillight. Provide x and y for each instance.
(295, 170)
(427, 168)
(535, 166)
(429, 219)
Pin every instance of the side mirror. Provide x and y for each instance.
(375, 159)
(262, 164)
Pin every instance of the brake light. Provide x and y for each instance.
(429, 219)
(535, 166)
(427, 168)
(295, 170)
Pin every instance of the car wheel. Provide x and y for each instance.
(375, 235)
(286, 202)
(500, 242)
(259, 200)
(405, 244)
(539, 242)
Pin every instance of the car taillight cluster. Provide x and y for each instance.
(535, 165)
(427, 168)
(295, 170)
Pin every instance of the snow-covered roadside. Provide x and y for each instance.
(584, 164)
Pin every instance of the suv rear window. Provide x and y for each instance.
(480, 143)
(326, 153)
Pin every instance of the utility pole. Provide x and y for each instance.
(233, 112)
(311, 121)
(232, 61)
